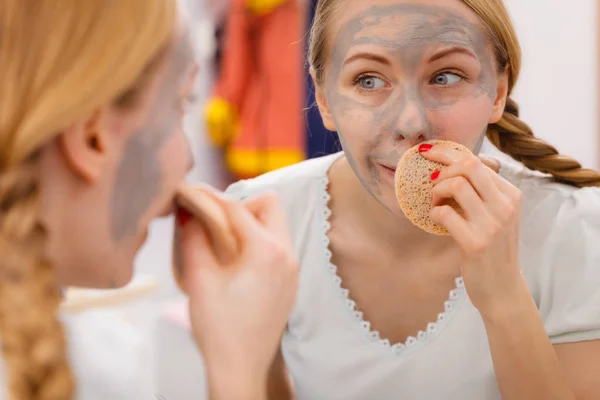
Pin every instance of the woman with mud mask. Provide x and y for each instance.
(508, 305)
(92, 97)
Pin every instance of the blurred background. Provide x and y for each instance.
(557, 93)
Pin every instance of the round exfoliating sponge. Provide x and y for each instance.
(414, 185)
(203, 204)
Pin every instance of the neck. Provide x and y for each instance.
(391, 229)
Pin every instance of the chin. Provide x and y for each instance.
(122, 269)
(393, 207)
(121, 278)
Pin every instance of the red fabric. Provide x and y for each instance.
(262, 75)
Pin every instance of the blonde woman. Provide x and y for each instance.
(505, 307)
(92, 95)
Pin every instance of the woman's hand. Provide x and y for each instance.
(239, 311)
(488, 233)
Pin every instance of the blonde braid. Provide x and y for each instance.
(511, 135)
(60, 62)
(32, 338)
(514, 137)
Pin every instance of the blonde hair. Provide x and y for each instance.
(511, 135)
(59, 62)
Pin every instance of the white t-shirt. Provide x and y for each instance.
(109, 358)
(333, 354)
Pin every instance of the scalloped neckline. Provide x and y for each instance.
(422, 337)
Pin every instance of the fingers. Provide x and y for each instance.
(503, 185)
(252, 221)
(491, 163)
(264, 212)
(240, 220)
(192, 241)
(462, 191)
(192, 253)
(456, 225)
(488, 200)
(463, 164)
(243, 224)
(477, 174)
(443, 155)
(447, 156)
(473, 241)
(268, 210)
(491, 187)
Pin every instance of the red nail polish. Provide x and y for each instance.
(183, 217)
(425, 147)
(435, 175)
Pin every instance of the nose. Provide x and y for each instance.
(190, 157)
(412, 121)
(191, 164)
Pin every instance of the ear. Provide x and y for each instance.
(322, 104)
(501, 95)
(84, 147)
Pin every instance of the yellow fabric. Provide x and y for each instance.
(221, 121)
(251, 163)
(262, 7)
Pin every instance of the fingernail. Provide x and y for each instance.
(435, 175)
(182, 216)
(425, 147)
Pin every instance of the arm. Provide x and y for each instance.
(235, 384)
(525, 362)
(279, 385)
(581, 364)
(245, 385)
(238, 310)
(568, 304)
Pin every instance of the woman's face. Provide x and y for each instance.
(130, 178)
(402, 72)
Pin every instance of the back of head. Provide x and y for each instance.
(59, 62)
(511, 135)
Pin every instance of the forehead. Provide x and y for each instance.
(403, 22)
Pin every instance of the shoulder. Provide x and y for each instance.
(560, 253)
(547, 205)
(560, 211)
(302, 190)
(290, 183)
(109, 356)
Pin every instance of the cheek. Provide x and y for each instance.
(463, 122)
(175, 158)
(357, 123)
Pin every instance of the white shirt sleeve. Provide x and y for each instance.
(238, 191)
(569, 275)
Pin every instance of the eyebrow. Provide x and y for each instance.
(450, 51)
(367, 56)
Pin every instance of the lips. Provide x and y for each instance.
(388, 168)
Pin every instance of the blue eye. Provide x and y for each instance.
(370, 82)
(446, 79)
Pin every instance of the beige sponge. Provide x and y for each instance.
(203, 204)
(414, 185)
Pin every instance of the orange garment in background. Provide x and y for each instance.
(261, 80)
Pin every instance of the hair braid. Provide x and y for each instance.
(510, 135)
(32, 338)
(514, 137)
